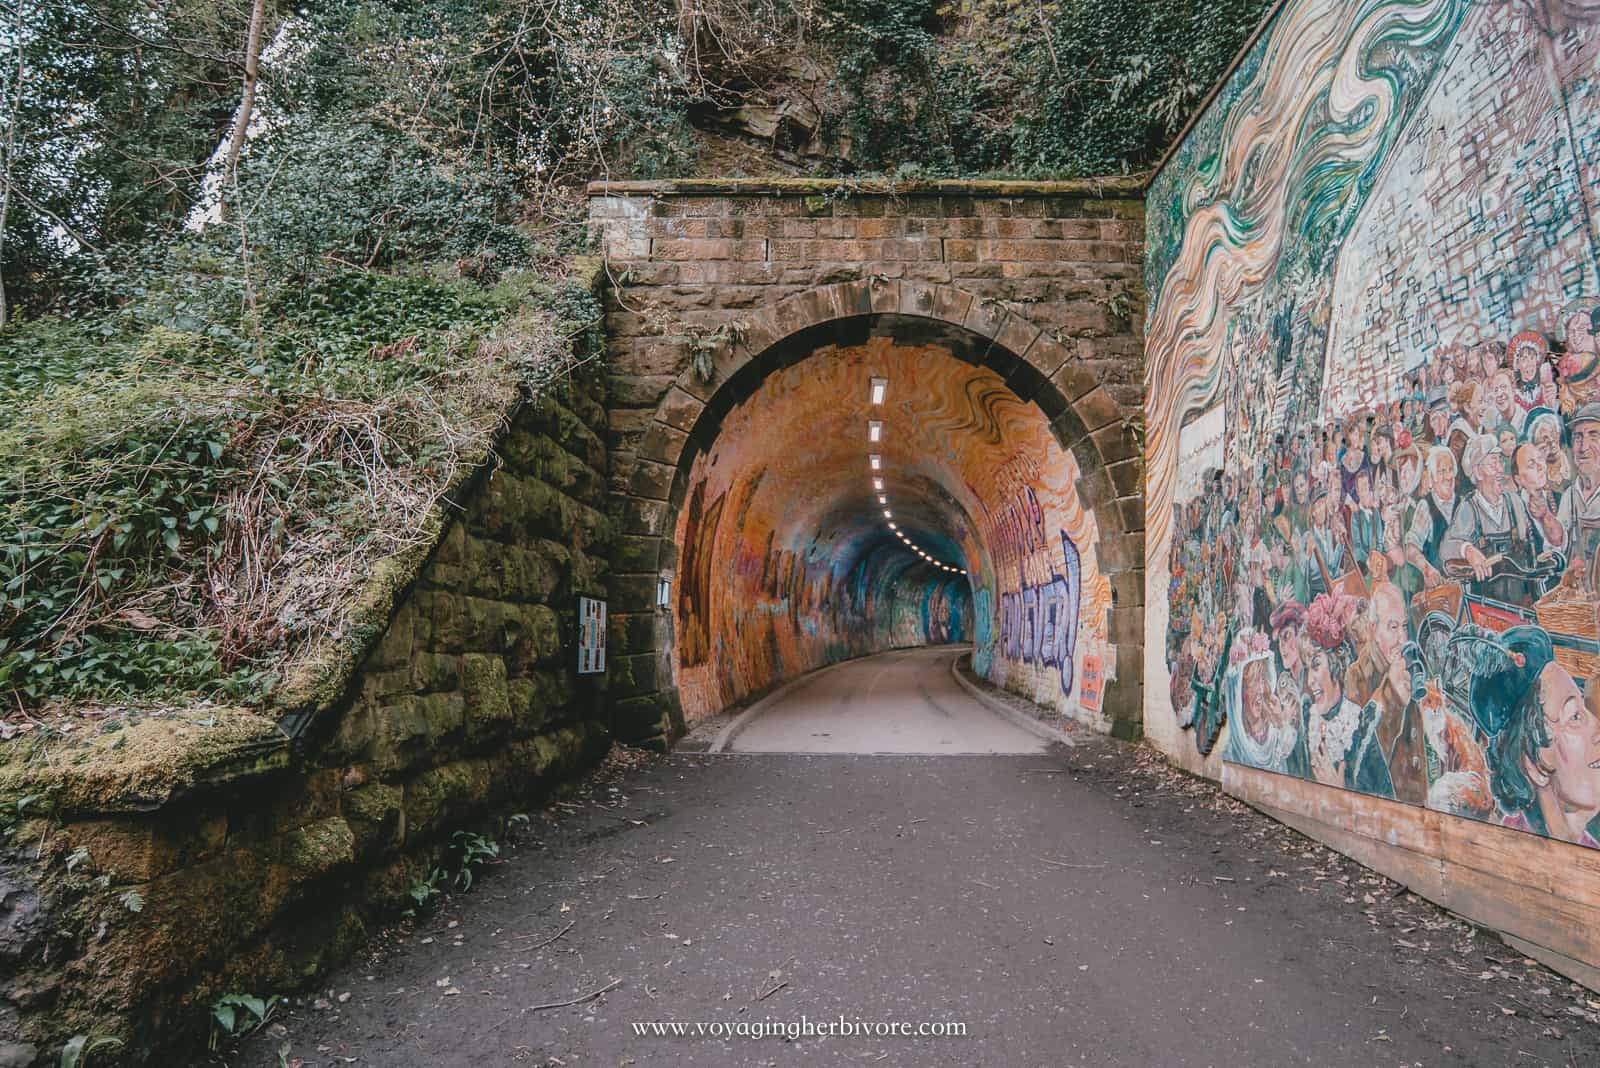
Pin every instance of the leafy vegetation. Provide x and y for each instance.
(236, 1015)
(80, 1048)
(475, 851)
(218, 429)
(947, 88)
(468, 854)
(188, 493)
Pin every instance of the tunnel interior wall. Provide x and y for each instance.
(793, 552)
(1373, 266)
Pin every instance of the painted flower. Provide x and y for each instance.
(1329, 617)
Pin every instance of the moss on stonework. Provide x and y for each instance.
(413, 726)
(483, 682)
(538, 699)
(373, 812)
(438, 796)
(317, 848)
(145, 763)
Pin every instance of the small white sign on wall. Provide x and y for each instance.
(591, 636)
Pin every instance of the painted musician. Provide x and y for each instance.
(1579, 510)
(1324, 545)
(1491, 532)
(1380, 676)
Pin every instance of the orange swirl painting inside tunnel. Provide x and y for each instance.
(794, 552)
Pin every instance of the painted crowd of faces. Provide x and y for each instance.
(1345, 595)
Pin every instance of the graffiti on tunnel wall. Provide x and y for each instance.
(1039, 623)
(1374, 410)
(785, 561)
(1048, 601)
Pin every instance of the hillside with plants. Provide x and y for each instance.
(273, 276)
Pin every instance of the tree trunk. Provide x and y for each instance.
(247, 101)
(8, 153)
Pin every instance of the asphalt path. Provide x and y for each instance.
(904, 702)
(1082, 906)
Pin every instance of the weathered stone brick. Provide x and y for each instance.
(960, 250)
(483, 690)
(1096, 409)
(435, 672)
(634, 552)
(662, 443)
(375, 814)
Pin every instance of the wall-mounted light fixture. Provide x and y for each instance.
(876, 461)
(877, 485)
(874, 430)
(663, 591)
(882, 499)
(880, 387)
(892, 527)
(888, 514)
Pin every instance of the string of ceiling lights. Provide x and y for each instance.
(880, 390)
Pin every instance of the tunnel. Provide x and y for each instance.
(876, 483)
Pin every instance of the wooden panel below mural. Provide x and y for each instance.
(1543, 893)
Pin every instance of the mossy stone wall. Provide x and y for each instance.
(258, 877)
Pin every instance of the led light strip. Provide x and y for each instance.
(880, 389)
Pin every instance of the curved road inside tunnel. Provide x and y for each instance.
(904, 702)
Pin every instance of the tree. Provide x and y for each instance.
(247, 99)
(7, 151)
(118, 105)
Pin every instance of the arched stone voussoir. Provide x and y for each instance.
(822, 304)
(1048, 355)
(662, 442)
(884, 294)
(1007, 336)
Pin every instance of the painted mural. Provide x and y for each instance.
(1374, 411)
(786, 561)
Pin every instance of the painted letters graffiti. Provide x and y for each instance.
(1039, 623)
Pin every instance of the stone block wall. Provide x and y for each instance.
(262, 862)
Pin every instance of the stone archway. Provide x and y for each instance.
(1084, 419)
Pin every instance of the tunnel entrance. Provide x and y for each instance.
(1015, 304)
(877, 494)
(883, 481)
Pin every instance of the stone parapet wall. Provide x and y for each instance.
(214, 854)
(1067, 256)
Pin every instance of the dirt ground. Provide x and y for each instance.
(1089, 906)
